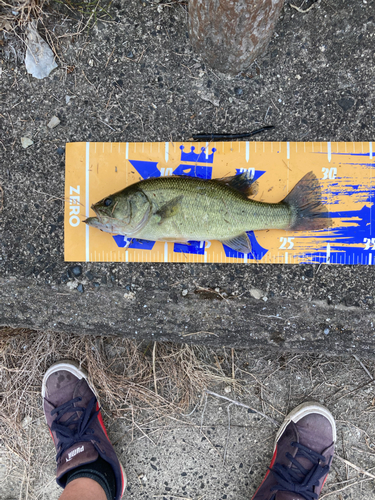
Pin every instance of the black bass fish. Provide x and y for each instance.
(179, 209)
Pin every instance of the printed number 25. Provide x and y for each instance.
(329, 173)
(369, 242)
(284, 242)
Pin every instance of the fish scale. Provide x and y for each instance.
(345, 172)
(233, 213)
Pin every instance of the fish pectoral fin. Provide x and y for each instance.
(243, 183)
(170, 209)
(239, 243)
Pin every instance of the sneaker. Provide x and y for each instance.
(303, 453)
(76, 424)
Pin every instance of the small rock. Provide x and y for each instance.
(54, 121)
(184, 293)
(64, 278)
(26, 142)
(256, 293)
(96, 284)
(89, 275)
(326, 331)
(67, 99)
(26, 421)
(80, 288)
(227, 389)
(265, 299)
(75, 271)
(346, 103)
(71, 285)
(238, 91)
(209, 97)
(60, 151)
(129, 295)
(130, 55)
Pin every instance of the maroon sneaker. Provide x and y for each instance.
(76, 424)
(303, 453)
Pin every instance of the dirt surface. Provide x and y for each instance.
(135, 78)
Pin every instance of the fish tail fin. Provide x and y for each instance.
(305, 201)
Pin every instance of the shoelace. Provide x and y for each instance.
(73, 430)
(297, 479)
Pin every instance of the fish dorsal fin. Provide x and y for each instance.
(239, 243)
(243, 183)
(169, 209)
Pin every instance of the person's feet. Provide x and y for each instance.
(304, 449)
(76, 426)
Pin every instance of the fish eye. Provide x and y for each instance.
(108, 202)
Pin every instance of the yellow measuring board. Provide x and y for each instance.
(345, 171)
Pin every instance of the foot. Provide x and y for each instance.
(75, 422)
(303, 453)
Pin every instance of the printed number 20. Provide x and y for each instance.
(329, 173)
(369, 242)
(284, 241)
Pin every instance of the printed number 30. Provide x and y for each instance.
(369, 242)
(284, 242)
(329, 173)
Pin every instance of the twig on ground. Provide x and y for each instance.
(301, 10)
(363, 366)
(153, 367)
(275, 422)
(204, 409)
(228, 433)
(344, 488)
(355, 467)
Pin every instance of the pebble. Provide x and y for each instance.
(89, 275)
(26, 421)
(227, 389)
(130, 55)
(238, 91)
(60, 151)
(26, 142)
(54, 121)
(76, 271)
(326, 331)
(80, 288)
(256, 293)
(184, 293)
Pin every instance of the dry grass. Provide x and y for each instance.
(125, 374)
(25, 9)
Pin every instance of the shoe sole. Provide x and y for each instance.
(302, 411)
(80, 373)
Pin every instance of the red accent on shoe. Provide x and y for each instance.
(270, 467)
(51, 435)
(100, 418)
